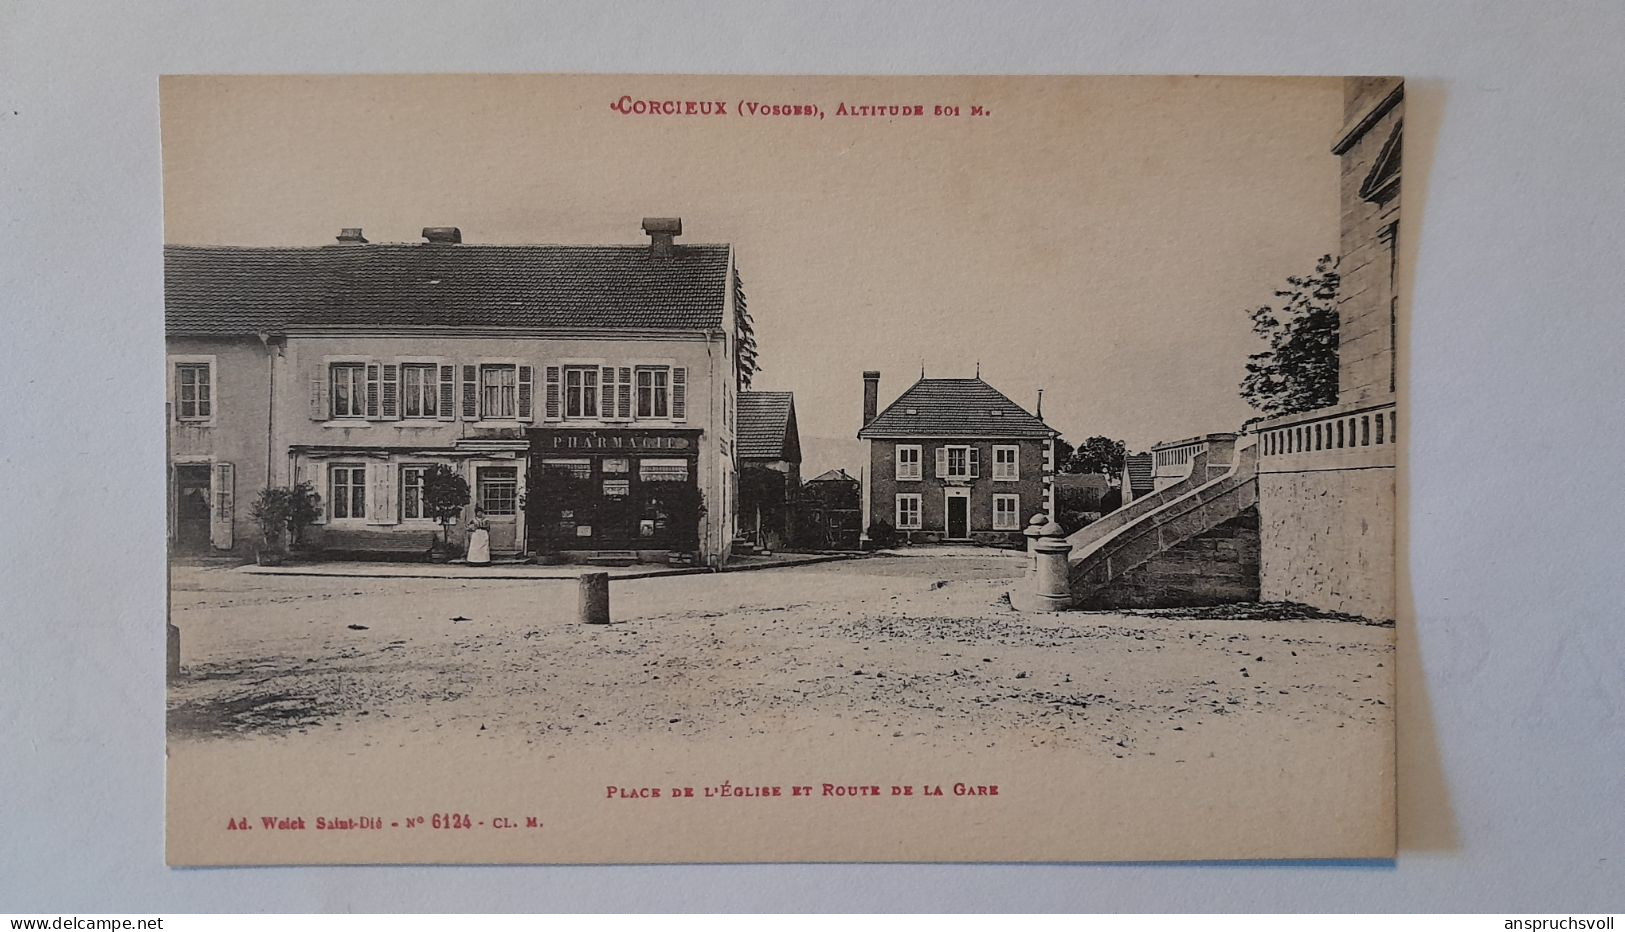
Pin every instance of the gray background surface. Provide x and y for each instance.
(1512, 660)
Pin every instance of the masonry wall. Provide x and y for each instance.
(884, 488)
(1218, 566)
(1328, 538)
(1369, 233)
(235, 436)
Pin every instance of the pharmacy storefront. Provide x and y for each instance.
(613, 489)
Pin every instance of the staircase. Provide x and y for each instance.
(1192, 543)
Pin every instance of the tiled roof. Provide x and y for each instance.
(767, 426)
(954, 408)
(832, 475)
(236, 290)
(1141, 469)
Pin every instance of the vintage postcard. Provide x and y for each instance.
(619, 469)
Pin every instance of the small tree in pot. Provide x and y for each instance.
(445, 495)
(270, 512)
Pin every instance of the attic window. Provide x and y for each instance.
(913, 411)
(995, 414)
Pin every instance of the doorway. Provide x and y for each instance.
(957, 506)
(497, 489)
(192, 508)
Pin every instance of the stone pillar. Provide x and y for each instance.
(1050, 587)
(172, 651)
(594, 601)
(1033, 530)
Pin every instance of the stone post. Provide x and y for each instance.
(172, 651)
(1050, 588)
(594, 601)
(1033, 530)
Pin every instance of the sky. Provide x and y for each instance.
(1100, 238)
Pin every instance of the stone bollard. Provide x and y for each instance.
(594, 602)
(1034, 530)
(1050, 588)
(172, 650)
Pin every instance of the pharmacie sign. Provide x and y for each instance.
(614, 441)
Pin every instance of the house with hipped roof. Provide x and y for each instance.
(587, 393)
(955, 460)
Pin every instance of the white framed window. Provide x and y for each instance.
(412, 507)
(654, 391)
(348, 389)
(420, 390)
(908, 462)
(1006, 463)
(499, 390)
(194, 391)
(347, 490)
(498, 490)
(957, 462)
(908, 512)
(581, 391)
(1006, 512)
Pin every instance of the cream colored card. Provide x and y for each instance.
(967, 468)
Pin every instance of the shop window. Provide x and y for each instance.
(347, 490)
(1006, 512)
(193, 392)
(672, 470)
(616, 466)
(1006, 464)
(908, 462)
(581, 391)
(420, 391)
(499, 388)
(654, 392)
(349, 390)
(575, 469)
(908, 512)
(499, 490)
(617, 488)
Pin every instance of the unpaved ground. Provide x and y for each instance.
(918, 650)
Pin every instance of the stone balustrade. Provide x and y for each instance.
(1341, 436)
(1172, 461)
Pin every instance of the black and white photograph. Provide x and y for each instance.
(569, 469)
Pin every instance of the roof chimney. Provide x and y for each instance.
(661, 230)
(443, 234)
(351, 235)
(871, 396)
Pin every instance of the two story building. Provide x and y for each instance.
(955, 460)
(603, 379)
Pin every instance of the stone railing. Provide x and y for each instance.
(1358, 434)
(1172, 462)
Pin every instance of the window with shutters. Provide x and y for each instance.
(1006, 463)
(581, 391)
(348, 390)
(420, 391)
(412, 491)
(957, 463)
(194, 392)
(908, 462)
(347, 490)
(499, 391)
(1006, 512)
(908, 512)
(654, 391)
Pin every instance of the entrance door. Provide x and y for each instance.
(958, 507)
(497, 490)
(192, 508)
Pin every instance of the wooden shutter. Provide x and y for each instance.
(552, 409)
(222, 505)
(389, 399)
(319, 410)
(623, 395)
(942, 462)
(679, 393)
(316, 473)
(971, 458)
(380, 493)
(606, 392)
(526, 377)
(471, 393)
(446, 406)
(372, 390)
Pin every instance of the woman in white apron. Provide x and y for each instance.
(479, 539)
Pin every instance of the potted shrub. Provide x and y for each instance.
(304, 506)
(270, 512)
(445, 495)
(882, 535)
